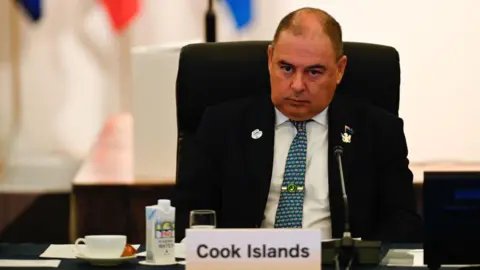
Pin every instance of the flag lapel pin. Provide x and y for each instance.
(347, 134)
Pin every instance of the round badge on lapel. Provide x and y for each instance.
(257, 133)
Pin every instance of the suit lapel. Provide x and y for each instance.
(260, 129)
(340, 115)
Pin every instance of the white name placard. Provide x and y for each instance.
(253, 249)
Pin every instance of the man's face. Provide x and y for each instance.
(304, 73)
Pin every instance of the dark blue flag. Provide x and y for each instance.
(241, 11)
(33, 8)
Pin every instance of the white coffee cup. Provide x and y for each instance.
(101, 246)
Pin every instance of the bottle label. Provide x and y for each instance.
(164, 229)
(165, 237)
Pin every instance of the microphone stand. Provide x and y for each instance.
(210, 23)
(348, 251)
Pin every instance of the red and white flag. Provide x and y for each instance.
(121, 12)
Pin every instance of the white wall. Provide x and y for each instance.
(71, 83)
(437, 41)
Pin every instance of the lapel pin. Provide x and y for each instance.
(348, 130)
(256, 134)
(347, 134)
(346, 138)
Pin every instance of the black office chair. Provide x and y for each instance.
(210, 73)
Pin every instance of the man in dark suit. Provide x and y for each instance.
(267, 162)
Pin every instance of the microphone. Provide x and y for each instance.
(348, 251)
(338, 151)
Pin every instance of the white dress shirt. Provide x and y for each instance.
(316, 206)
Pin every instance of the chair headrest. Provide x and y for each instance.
(211, 73)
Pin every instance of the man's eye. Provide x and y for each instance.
(286, 68)
(314, 72)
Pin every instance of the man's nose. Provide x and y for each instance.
(297, 82)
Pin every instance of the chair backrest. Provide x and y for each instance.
(211, 73)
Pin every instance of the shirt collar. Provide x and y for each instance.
(320, 118)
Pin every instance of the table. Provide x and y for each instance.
(29, 251)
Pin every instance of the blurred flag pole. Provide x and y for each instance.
(125, 65)
(15, 87)
(210, 23)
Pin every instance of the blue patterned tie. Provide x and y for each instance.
(290, 205)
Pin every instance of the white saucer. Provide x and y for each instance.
(106, 261)
(152, 263)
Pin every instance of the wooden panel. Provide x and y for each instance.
(115, 209)
(418, 190)
(3, 216)
(15, 205)
(101, 210)
(35, 218)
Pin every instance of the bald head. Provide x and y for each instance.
(310, 23)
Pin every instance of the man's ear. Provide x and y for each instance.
(341, 65)
(270, 57)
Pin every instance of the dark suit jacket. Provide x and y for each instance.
(226, 170)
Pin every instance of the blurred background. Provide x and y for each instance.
(66, 72)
